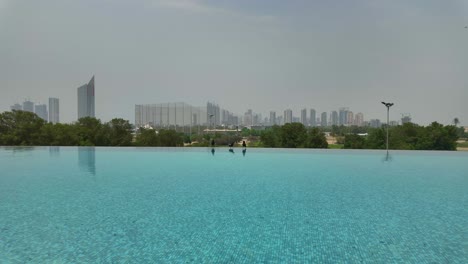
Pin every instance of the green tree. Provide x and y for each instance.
(376, 138)
(316, 139)
(170, 138)
(438, 137)
(65, 135)
(270, 138)
(293, 135)
(353, 141)
(120, 132)
(91, 132)
(405, 136)
(147, 137)
(20, 128)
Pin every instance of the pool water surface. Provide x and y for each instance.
(189, 205)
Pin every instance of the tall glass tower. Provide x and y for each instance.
(54, 110)
(86, 100)
(41, 111)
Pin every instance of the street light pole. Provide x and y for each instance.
(388, 105)
(211, 121)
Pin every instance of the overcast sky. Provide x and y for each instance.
(264, 55)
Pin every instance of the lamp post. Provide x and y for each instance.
(211, 122)
(388, 105)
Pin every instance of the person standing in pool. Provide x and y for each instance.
(212, 147)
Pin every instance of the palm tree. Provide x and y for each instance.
(456, 121)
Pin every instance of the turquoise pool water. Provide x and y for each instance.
(162, 205)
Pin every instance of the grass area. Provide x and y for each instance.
(335, 146)
(463, 144)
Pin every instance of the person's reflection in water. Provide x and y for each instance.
(231, 150)
(244, 148)
(87, 159)
(212, 151)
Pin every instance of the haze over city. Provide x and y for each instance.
(260, 55)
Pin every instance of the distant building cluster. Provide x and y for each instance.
(52, 116)
(308, 117)
(311, 118)
(86, 105)
(167, 115)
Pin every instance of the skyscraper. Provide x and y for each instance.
(334, 118)
(86, 100)
(406, 118)
(248, 118)
(16, 107)
(54, 112)
(288, 117)
(304, 116)
(272, 118)
(313, 118)
(350, 118)
(343, 116)
(213, 114)
(41, 111)
(323, 119)
(28, 106)
(359, 119)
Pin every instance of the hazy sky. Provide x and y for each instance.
(264, 55)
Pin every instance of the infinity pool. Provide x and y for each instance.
(184, 205)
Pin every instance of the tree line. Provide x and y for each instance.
(20, 128)
(293, 135)
(408, 136)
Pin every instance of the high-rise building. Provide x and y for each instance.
(257, 120)
(313, 118)
(16, 107)
(280, 120)
(272, 118)
(28, 106)
(248, 118)
(349, 118)
(213, 114)
(359, 119)
(343, 116)
(334, 118)
(323, 119)
(54, 110)
(41, 111)
(375, 123)
(86, 100)
(405, 118)
(288, 116)
(304, 116)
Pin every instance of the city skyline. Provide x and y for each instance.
(212, 113)
(273, 55)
